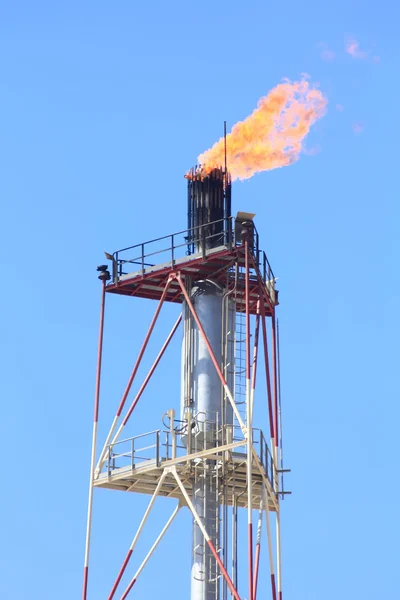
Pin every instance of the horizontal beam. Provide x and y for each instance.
(204, 453)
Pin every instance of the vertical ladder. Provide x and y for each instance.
(240, 363)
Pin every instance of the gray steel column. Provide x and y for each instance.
(202, 393)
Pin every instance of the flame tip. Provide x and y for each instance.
(271, 137)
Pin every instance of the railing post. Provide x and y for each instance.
(262, 447)
(142, 260)
(272, 472)
(174, 444)
(114, 269)
(203, 241)
(158, 448)
(167, 445)
(264, 267)
(230, 227)
(172, 250)
(119, 266)
(109, 462)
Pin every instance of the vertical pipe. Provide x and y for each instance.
(208, 302)
(94, 441)
(267, 373)
(225, 197)
(249, 420)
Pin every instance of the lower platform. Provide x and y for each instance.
(143, 478)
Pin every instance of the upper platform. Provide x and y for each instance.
(143, 270)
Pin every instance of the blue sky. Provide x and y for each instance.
(104, 107)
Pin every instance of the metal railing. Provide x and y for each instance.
(170, 249)
(159, 446)
(129, 453)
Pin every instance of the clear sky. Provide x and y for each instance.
(103, 108)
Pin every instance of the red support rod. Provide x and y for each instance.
(255, 353)
(275, 379)
(267, 373)
(94, 439)
(273, 586)
(153, 368)
(247, 303)
(223, 571)
(257, 564)
(85, 582)
(143, 348)
(121, 572)
(249, 415)
(262, 284)
(128, 589)
(258, 550)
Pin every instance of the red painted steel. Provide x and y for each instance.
(250, 535)
(120, 574)
(249, 423)
(262, 284)
(257, 564)
(275, 380)
(168, 286)
(196, 268)
(247, 303)
(224, 571)
(85, 582)
(267, 373)
(150, 373)
(255, 353)
(128, 589)
(143, 348)
(273, 586)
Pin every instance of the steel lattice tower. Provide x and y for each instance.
(210, 457)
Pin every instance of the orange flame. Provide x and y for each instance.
(272, 135)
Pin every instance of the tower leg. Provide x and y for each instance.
(94, 442)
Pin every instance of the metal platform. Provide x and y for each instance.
(144, 478)
(136, 465)
(223, 264)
